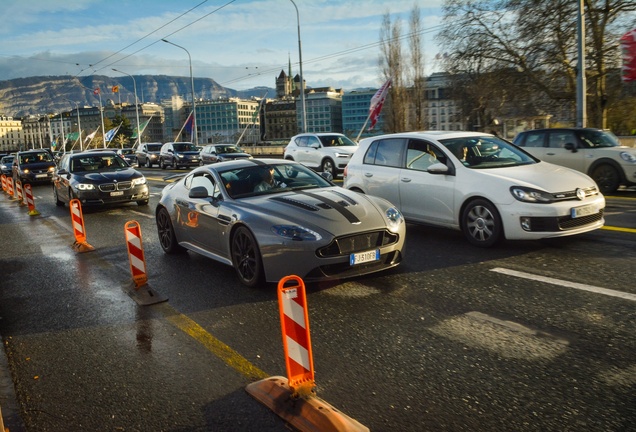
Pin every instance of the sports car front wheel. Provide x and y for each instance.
(246, 257)
(167, 238)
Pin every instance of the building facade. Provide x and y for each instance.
(323, 110)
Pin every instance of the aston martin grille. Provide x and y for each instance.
(357, 243)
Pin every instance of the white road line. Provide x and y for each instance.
(582, 287)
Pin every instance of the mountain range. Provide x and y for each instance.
(52, 94)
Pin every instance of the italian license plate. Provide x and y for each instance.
(363, 257)
(41, 175)
(576, 212)
(117, 193)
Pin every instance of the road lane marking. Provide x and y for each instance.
(621, 229)
(218, 348)
(575, 285)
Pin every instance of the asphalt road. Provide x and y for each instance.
(528, 336)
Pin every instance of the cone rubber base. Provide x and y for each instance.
(82, 247)
(144, 295)
(304, 413)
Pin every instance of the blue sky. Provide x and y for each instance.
(239, 43)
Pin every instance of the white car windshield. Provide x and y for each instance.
(336, 141)
(593, 138)
(486, 152)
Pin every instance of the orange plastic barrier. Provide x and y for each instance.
(136, 253)
(10, 188)
(294, 321)
(77, 219)
(4, 182)
(28, 193)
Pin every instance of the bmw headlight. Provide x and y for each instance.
(394, 217)
(51, 169)
(628, 157)
(139, 181)
(85, 186)
(295, 232)
(526, 194)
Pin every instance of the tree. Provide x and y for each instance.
(535, 41)
(391, 63)
(416, 71)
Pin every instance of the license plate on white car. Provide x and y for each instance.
(117, 193)
(363, 257)
(576, 212)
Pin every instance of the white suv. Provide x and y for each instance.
(327, 152)
(595, 152)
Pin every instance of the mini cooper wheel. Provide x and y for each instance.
(167, 237)
(246, 257)
(607, 178)
(481, 223)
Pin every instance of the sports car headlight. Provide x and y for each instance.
(139, 181)
(85, 186)
(295, 232)
(394, 217)
(530, 195)
(628, 157)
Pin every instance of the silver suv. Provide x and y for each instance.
(148, 154)
(595, 152)
(327, 152)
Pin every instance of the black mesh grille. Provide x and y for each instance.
(110, 187)
(358, 243)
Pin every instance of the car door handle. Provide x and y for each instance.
(550, 154)
(369, 175)
(406, 179)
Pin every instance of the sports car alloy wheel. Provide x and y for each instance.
(246, 257)
(481, 223)
(166, 233)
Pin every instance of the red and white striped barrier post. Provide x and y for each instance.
(77, 219)
(136, 253)
(140, 292)
(28, 194)
(10, 188)
(294, 399)
(18, 188)
(4, 182)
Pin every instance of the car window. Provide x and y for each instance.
(301, 141)
(205, 180)
(486, 152)
(312, 140)
(558, 139)
(533, 139)
(181, 147)
(386, 152)
(597, 138)
(420, 155)
(336, 141)
(154, 148)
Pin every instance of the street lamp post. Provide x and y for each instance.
(302, 81)
(79, 124)
(194, 109)
(136, 104)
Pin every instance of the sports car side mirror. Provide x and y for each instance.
(326, 175)
(198, 192)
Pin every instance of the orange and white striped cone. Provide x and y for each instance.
(141, 291)
(18, 188)
(77, 219)
(28, 194)
(294, 398)
(4, 182)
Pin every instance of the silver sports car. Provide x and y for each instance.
(273, 218)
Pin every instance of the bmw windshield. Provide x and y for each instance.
(487, 152)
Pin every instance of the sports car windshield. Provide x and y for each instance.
(486, 152)
(270, 179)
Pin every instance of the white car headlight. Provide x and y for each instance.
(295, 232)
(628, 157)
(526, 194)
(139, 181)
(85, 186)
(394, 217)
(342, 155)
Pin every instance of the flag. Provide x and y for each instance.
(142, 127)
(628, 48)
(189, 124)
(377, 101)
(72, 136)
(91, 136)
(96, 91)
(115, 89)
(111, 134)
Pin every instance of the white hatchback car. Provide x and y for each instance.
(327, 152)
(477, 183)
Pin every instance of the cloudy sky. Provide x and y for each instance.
(239, 43)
